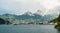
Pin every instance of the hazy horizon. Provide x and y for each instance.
(19, 7)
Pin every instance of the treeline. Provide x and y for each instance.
(2, 21)
(57, 20)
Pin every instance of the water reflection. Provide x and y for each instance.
(28, 29)
(58, 30)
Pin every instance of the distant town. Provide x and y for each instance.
(51, 23)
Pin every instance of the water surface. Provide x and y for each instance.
(28, 29)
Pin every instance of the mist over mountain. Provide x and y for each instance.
(54, 11)
(28, 17)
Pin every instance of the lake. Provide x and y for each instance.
(28, 29)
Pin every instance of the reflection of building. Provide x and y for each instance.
(32, 23)
(45, 22)
(39, 23)
(51, 23)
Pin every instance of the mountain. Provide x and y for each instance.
(28, 13)
(32, 14)
(8, 17)
(27, 17)
(56, 19)
(39, 12)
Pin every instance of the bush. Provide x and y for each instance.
(2, 21)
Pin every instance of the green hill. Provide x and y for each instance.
(58, 22)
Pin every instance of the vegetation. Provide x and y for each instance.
(18, 19)
(58, 22)
(2, 21)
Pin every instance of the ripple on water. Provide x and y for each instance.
(28, 29)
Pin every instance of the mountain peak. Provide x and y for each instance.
(39, 12)
(28, 13)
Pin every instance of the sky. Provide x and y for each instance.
(21, 6)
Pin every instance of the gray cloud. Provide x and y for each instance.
(54, 11)
(21, 6)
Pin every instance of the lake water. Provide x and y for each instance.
(28, 29)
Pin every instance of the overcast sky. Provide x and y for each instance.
(21, 6)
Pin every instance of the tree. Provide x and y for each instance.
(58, 22)
(2, 21)
(58, 19)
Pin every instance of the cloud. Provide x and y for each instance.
(55, 11)
(49, 3)
(21, 6)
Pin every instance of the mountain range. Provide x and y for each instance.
(28, 17)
